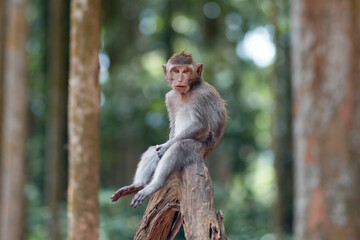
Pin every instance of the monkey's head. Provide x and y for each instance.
(182, 72)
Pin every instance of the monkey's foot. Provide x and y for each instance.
(138, 199)
(127, 190)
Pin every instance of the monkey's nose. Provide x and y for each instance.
(183, 77)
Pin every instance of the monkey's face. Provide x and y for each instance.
(181, 77)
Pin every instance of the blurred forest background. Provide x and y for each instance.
(245, 48)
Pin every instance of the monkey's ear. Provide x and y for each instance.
(164, 68)
(199, 69)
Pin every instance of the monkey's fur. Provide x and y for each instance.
(197, 122)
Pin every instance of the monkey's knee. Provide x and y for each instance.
(149, 156)
(190, 148)
(184, 152)
(150, 152)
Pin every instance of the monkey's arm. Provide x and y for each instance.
(172, 130)
(200, 113)
(169, 101)
(198, 130)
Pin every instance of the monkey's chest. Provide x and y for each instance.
(182, 119)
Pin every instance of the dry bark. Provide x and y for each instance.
(187, 199)
(14, 122)
(83, 209)
(161, 212)
(326, 88)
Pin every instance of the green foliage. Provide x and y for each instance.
(118, 219)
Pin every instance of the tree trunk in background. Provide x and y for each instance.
(326, 90)
(83, 209)
(14, 122)
(2, 42)
(168, 32)
(282, 133)
(54, 174)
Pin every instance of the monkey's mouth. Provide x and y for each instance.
(180, 86)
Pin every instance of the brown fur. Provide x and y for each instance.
(182, 58)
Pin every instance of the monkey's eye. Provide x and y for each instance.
(176, 70)
(186, 71)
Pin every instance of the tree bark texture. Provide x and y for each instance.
(282, 129)
(14, 122)
(187, 199)
(326, 90)
(54, 174)
(2, 55)
(83, 209)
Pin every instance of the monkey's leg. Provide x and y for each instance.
(144, 171)
(178, 155)
(127, 190)
(146, 167)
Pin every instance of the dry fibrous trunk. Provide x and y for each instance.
(187, 199)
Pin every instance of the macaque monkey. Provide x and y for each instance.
(197, 122)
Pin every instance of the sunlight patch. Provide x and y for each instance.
(258, 47)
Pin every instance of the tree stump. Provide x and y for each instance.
(188, 199)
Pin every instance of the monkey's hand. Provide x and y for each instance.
(127, 190)
(161, 149)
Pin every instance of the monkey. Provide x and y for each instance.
(198, 118)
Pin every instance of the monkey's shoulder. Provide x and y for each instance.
(210, 105)
(205, 92)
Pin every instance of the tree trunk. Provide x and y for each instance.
(2, 55)
(14, 122)
(326, 87)
(168, 34)
(187, 198)
(161, 212)
(83, 187)
(282, 132)
(54, 174)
